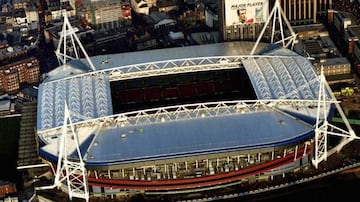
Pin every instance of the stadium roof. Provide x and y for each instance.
(278, 74)
(87, 97)
(282, 77)
(194, 137)
(206, 135)
(78, 91)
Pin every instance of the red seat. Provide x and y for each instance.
(120, 97)
(135, 95)
(205, 88)
(171, 93)
(152, 94)
(223, 87)
(187, 90)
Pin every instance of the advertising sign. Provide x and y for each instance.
(246, 11)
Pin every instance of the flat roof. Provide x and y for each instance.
(5, 105)
(355, 30)
(235, 48)
(335, 61)
(194, 137)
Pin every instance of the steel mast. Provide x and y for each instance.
(71, 174)
(324, 128)
(68, 43)
(277, 14)
(71, 170)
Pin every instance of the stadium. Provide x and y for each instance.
(183, 119)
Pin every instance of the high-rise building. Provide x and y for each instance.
(243, 20)
(106, 14)
(305, 11)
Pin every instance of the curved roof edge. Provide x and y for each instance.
(51, 157)
(73, 67)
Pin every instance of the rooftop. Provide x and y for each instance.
(194, 137)
(107, 137)
(272, 76)
(354, 30)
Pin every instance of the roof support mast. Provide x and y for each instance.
(324, 128)
(72, 171)
(277, 14)
(68, 50)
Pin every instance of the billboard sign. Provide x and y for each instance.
(246, 11)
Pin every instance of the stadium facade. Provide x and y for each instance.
(183, 119)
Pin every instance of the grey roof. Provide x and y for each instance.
(69, 69)
(194, 137)
(235, 48)
(5, 105)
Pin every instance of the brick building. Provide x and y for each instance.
(6, 188)
(14, 74)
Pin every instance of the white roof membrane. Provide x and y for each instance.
(288, 77)
(87, 98)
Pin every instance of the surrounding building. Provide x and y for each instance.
(55, 9)
(5, 109)
(341, 20)
(166, 5)
(29, 93)
(211, 15)
(348, 32)
(159, 20)
(336, 70)
(17, 73)
(6, 188)
(315, 43)
(140, 6)
(353, 36)
(242, 20)
(305, 11)
(106, 14)
(9, 53)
